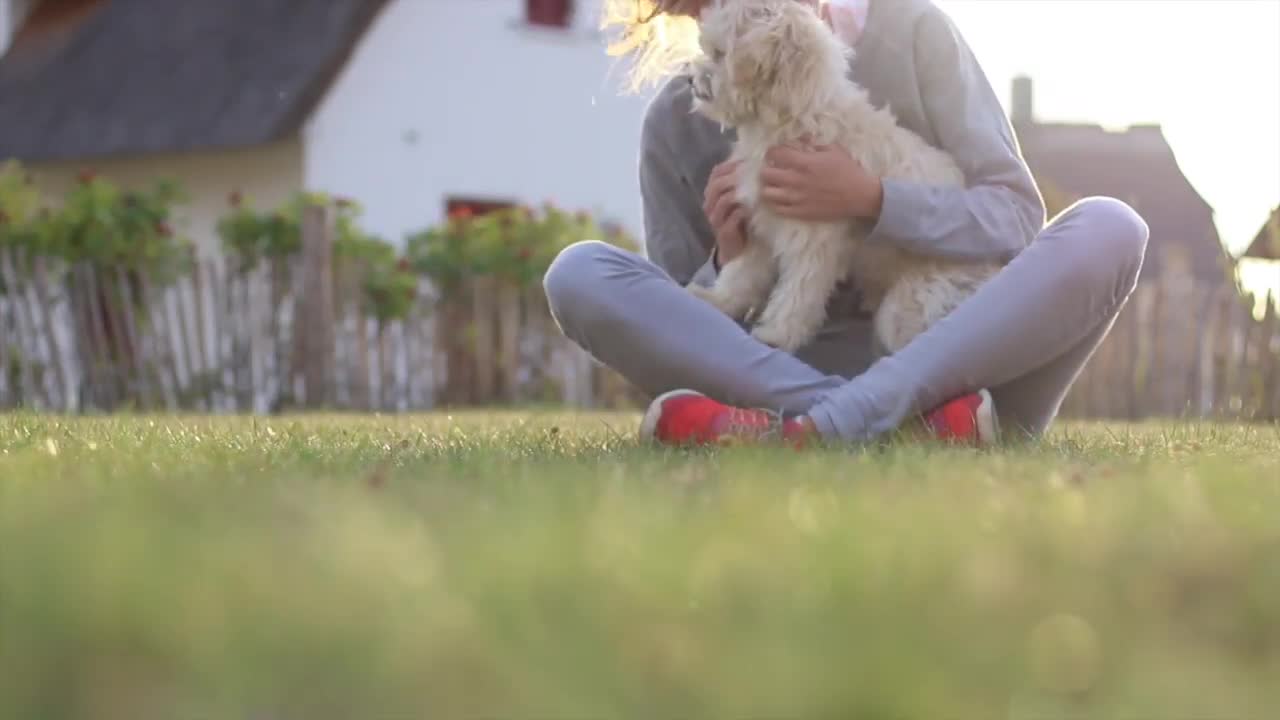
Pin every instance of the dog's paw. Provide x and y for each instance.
(702, 293)
(778, 336)
(719, 300)
(708, 295)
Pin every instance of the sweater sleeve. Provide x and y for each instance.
(677, 236)
(1000, 210)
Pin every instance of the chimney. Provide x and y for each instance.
(1022, 113)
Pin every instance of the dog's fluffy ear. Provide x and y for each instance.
(787, 54)
(811, 59)
(755, 48)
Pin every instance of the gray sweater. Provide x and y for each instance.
(912, 57)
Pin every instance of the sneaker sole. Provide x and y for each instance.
(649, 425)
(988, 424)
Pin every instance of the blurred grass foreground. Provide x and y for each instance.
(544, 566)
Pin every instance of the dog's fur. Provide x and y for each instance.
(772, 70)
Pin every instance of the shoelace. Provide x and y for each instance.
(746, 422)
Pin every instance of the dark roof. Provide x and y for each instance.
(129, 77)
(1266, 244)
(1137, 166)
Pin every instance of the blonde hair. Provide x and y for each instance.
(658, 42)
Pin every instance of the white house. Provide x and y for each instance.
(403, 105)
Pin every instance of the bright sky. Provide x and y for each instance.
(1207, 70)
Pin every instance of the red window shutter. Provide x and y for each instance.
(551, 13)
(473, 207)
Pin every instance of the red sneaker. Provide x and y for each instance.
(685, 417)
(967, 420)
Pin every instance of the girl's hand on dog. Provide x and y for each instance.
(728, 219)
(824, 184)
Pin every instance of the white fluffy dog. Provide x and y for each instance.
(772, 70)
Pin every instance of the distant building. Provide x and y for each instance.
(407, 106)
(1137, 166)
(1266, 244)
(414, 106)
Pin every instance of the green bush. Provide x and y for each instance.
(96, 223)
(20, 205)
(249, 235)
(386, 281)
(516, 244)
(101, 224)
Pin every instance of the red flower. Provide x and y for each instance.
(524, 253)
(462, 212)
(235, 199)
(86, 176)
(402, 264)
(164, 229)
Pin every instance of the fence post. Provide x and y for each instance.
(509, 339)
(454, 326)
(132, 340)
(207, 367)
(4, 347)
(1241, 376)
(25, 330)
(1269, 362)
(1206, 351)
(44, 298)
(484, 304)
(316, 314)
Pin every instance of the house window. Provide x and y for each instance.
(549, 13)
(473, 207)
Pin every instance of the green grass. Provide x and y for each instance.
(544, 566)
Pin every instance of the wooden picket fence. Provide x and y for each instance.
(287, 335)
(1181, 349)
(284, 335)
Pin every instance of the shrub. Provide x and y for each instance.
(97, 223)
(516, 244)
(386, 281)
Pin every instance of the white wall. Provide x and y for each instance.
(458, 97)
(269, 175)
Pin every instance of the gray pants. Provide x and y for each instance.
(1025, 335)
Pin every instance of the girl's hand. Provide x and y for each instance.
(728, 219)
(823, 184)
